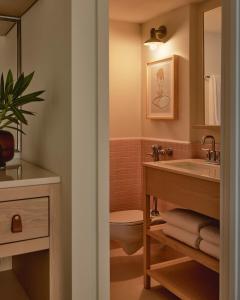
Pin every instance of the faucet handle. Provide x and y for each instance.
(208, 153)
(218, 157)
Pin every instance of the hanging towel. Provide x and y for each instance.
(210, 249)
(214, 100)
(181, 235)
(211, 234)
(186, 219)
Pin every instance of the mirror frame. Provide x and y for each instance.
(202, 8)
(17, 22)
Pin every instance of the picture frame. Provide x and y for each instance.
(162, 89)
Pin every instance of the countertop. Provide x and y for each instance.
(197, 168)
(26, 174)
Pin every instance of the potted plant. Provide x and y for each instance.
(12, 114)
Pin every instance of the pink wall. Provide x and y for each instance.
(126, 157)
(125, 174)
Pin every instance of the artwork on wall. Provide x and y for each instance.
(162, 91)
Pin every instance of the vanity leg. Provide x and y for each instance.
(147, 240)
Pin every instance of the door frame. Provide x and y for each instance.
(230, 147)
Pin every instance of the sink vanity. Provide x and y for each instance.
(192, 184)
(29, 200)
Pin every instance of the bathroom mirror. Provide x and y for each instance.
(10, 55)
(212, 66)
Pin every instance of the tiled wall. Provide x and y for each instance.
(126, 157)
(125, 174)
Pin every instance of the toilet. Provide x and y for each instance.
(126, 228)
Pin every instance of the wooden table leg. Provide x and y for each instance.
(147, 240)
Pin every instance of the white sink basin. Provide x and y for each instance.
(191, 164)
(190, 167)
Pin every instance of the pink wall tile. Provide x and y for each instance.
(126, 157)
(125, 174)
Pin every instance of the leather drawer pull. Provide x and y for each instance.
(16, 224)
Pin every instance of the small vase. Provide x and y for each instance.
(6, 148)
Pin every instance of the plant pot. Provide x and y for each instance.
(6, 148)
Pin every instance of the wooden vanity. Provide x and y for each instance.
(29, 233)
(194, 185)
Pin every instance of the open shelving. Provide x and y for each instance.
(197, 255)
(188, 280)
(12, 9)
(15, 8)
(195, 276)
(10, 288)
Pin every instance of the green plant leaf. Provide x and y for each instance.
(13, 120)
(17, 86)
(19, 115)
(9, 83)
(12, 100)
(33, 97)
(7, 123)
(27, 112)
(2, 89)
(15, 128)
(26, 81)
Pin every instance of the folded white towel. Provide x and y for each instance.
(211, 234)
(184, 236)
(186, 219)
(210, 249)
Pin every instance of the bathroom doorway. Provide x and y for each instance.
(225, 158)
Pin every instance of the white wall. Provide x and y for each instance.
(8, 59)
(178, 26)
(84, 150)
(46, 48)
(8, 50)
(125, 79)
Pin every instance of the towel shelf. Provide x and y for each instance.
(197, 255)
(197, 278)
(188, 280)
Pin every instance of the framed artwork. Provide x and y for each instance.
(162, 90)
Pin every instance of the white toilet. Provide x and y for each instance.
(126, 228)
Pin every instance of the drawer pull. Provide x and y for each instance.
(16, 224)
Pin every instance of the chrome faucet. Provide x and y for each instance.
(158, 152)
(212, 156)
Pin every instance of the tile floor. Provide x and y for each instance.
(127, 276)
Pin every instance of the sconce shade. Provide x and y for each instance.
(156, 36)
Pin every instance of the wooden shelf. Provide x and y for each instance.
(188, 280)
(24, 247)
(13, 8)
(207, 126)
(10, 288)
(195, 254)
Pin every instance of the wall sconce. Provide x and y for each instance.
(156, 37)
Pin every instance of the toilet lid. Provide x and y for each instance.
(127, 217)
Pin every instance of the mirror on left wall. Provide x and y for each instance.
(10, 56)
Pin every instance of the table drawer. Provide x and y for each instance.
(24, 220)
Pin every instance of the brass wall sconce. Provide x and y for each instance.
(156, 37)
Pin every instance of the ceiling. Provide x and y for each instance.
(140, 11)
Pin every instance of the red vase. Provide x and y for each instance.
(6, 148)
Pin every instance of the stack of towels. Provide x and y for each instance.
(193, 229)
(210, 240)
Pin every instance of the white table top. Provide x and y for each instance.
(26, 174)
